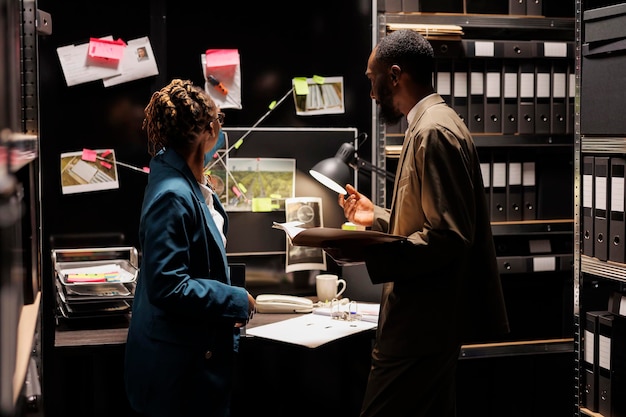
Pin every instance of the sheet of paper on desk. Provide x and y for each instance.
(310, 330)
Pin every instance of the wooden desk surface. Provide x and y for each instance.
(114, 332)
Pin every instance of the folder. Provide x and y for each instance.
(534, 7)
(476, 107)
(485, 169)
(526, 105)
(588, 196)
(617, 227)
(459, 90)
(498, 191)
(542, 92)
(529, 191)
(517, 7)
(558, 115)
(509, 98)
(611, 365)
(443, 80)
(590, 360)
(601, 207)
(514, 191)
(493, 100)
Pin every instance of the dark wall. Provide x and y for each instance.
(276, 42)
(332, 38)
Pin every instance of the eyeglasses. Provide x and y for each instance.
(220, 118)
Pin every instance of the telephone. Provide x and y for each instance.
(279, 303)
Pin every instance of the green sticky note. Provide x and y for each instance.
(301, 86)
(318, 79)
(272, 105)
(238, 143)
(262, 204)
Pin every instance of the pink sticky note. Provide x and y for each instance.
(106, 49)
(146, 169)
(106, 164)
(221, 57)
(89, 155)
(106, 153)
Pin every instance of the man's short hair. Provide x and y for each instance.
(410, 51)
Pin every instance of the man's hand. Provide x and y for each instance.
(357, 208)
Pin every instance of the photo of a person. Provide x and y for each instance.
(142, 54)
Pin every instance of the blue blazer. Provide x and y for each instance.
(181, 340)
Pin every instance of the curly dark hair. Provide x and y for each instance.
(411, 51)
(176, 114)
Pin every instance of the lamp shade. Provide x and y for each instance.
(333, 173)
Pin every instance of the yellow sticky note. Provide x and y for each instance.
(262, 204)
(301, 86)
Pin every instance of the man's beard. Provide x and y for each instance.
(388, 114)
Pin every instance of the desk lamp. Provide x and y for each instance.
(334, 172)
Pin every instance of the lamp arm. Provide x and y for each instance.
(362, 163)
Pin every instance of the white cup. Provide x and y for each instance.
(327, 286)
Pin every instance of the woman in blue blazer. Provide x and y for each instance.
(184, 330)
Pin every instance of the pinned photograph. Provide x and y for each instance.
(80, 174)
(308, 212)
(318, 95)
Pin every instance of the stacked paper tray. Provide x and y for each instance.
(94, 284)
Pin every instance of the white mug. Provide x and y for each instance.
(327, 286)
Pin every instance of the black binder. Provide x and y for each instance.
(590, 360)
(476, 108)
(588, 196)
(514, 191)
(611, 365)
(510, 83)
(498, 190)
(534, 7)
(542, 92)
(517, 7)
(601, 207)
(526, 105)
(460, 89)
(617, 227)
(529, 191)
(443, 83)
(485, 169)
(493, 97)
(559, 99)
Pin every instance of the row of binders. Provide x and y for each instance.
(497, 96)
(603, 203)
(508, 97)
(510, 189)
(604, 359)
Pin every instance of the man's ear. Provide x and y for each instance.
(395, 72)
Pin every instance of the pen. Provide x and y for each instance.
(218, 85)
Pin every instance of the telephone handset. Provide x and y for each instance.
(280, 303)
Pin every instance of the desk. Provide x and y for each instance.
(273, 378)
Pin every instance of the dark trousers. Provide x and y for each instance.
(422, 386)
